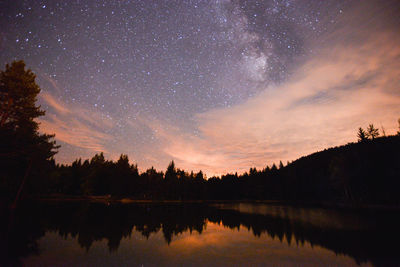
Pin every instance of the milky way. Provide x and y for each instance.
(125, 76)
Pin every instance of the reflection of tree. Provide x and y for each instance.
(94, 222)
(18, 240)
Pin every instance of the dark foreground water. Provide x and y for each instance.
(84, 234)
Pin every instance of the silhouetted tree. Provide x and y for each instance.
(97, 180)
(18, 95)
(362, 135)
(123, 183)
(170, 174)
(372, 132)
(398, 132)
(274, 168)
(199, 176)
(24, 151)
(171, 181)
(383, 130)
(280, 164)
(152, 183)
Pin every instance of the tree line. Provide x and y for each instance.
(363, 172)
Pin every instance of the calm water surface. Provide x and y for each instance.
(84, 234)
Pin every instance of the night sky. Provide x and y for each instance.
(218, 85)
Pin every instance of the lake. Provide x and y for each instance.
(226, 234)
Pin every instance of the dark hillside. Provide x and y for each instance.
(366, 172)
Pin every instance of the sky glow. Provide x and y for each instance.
(219, 85)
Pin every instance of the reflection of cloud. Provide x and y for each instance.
(75, 126)
(219, 245)
(328, 98)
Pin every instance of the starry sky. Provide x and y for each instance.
(215, 85)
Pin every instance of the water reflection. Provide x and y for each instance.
(364, 236)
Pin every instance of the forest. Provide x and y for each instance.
(365, 172)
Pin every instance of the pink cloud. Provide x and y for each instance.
(79, 127)
(55, 104)
(341, 88)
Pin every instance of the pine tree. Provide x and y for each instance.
(18, 94)
(280, 164)
(171, 173)
(171, 181)
(362, 135)
(23, 150)
(372, 132)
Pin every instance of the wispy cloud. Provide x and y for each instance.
(55, 104)
(344, 86)
(74, 125)
(350, 79)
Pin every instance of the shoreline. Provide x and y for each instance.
(107, 200)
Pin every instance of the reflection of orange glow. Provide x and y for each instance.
(212, 237)
(218, 245)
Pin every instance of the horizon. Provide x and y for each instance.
(221, 86)
(268, 166)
